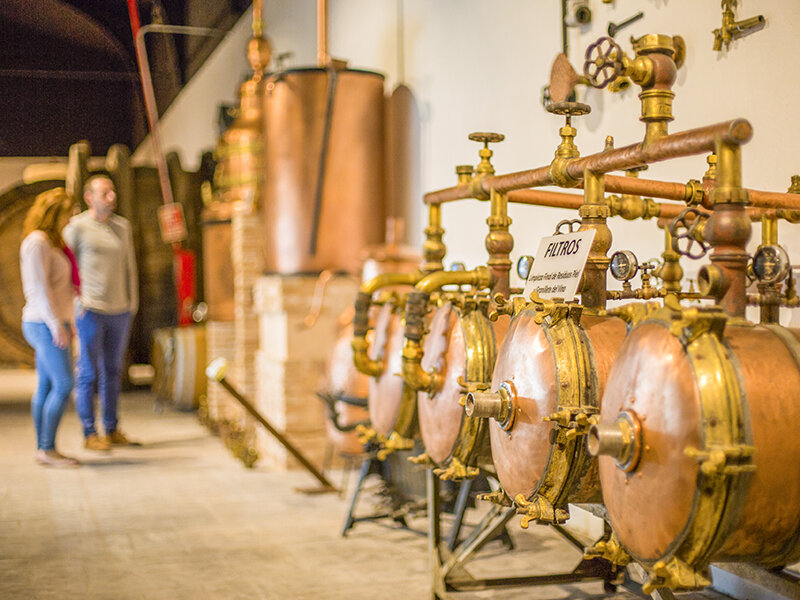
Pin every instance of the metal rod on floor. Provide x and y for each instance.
(216, 370)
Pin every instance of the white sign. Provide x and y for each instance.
(559, 263)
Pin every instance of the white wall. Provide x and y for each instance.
(476, 65)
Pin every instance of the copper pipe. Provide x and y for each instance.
(322, 33)
(774, 200)
(543, 198)
(684, 143)
(666, 190)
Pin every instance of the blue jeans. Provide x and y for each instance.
(103, 340)
(54, 374)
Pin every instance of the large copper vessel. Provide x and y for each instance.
(323, 182)
(460, 348)
(698, 446)
(551, 370)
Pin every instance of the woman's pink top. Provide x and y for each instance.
(46, 282)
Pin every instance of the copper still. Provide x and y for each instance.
(322, 197)
(695, 438)
(549, 369)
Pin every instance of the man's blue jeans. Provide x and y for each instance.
(103, 340)
(54, 374)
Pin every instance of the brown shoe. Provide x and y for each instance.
(117, 438)
(51, 458)
(95, 442)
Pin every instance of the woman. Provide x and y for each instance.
(49, 281)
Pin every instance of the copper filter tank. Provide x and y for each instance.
(323, 183)
(698, 445)
(549, 369)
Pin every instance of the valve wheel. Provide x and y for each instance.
(569, 109)
(684, 228)
(486, 137)
(603, 62)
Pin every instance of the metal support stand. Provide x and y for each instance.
(449, 563)
(397, 514)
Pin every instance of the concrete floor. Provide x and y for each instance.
(180, 518)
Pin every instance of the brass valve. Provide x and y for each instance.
(732, 29)
(567, 150)
(689, 225)
(654, 68)
(485, 166)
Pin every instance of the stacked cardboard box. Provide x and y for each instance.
(291, 361)
(221, 343)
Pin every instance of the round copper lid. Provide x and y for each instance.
(525, 361)
(652, 378)
(386, 391)
(440, 415)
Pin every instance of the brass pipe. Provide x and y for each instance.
(499, 244)
(479, 277)
(594, 214)
(433, 248)
(728, 231)
(675, 145)
(416, 308)
(359, 344)
(671, 271)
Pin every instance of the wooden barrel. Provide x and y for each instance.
(14, 205)
(179, 359)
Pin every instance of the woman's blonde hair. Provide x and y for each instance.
(46, 211)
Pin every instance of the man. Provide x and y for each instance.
(109, 298)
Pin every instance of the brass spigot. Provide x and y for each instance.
(622, 440)
(654, 68)
(567, 150)
(732, 29)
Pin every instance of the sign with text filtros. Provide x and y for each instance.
(559, 264)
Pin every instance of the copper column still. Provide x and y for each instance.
(323, 189)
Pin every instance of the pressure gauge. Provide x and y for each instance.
(771, 264)
(624, 265)
(524, 265)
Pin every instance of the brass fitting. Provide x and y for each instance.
(500, 405)
(414, 375)
(622, 440)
